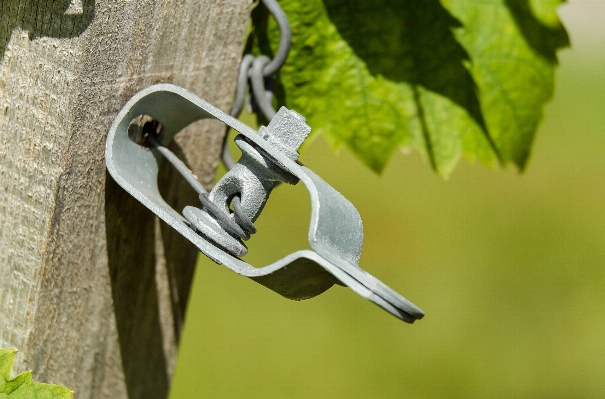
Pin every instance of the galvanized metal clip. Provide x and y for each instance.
(269, 156)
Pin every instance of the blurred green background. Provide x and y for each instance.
(509, 268)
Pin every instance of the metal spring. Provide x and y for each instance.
(231, 225)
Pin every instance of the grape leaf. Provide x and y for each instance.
(449, 79)
(22, 386)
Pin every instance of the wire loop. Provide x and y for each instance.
(285, 38)
(259, 92)
(257, 72)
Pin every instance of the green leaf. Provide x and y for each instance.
(22, 386)
(449, 79)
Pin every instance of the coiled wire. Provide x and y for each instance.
(258, 72)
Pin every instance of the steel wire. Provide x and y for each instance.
(253, 71)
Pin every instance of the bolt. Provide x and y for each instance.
(287, 131)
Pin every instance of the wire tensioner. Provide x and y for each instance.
(269, 156)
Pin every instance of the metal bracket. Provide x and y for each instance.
(335, 231)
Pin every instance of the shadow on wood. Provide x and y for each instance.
(58, 19)
(151, 268)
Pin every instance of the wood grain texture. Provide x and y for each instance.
(93, 288)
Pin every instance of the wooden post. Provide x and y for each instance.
(92, 288)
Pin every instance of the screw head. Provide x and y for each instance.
(287, 130)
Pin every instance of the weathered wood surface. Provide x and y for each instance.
(89, 296)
